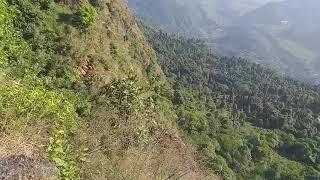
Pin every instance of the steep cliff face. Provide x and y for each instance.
(82, 91)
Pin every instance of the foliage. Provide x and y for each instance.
(26, 47)
(124, 95)
(5, 22)
(12, 46)
(58, 67)
(248, 121)
(40, 44)
(134, 106)
(125, 117)
(23, 106)
(87, 15)
(53, 73)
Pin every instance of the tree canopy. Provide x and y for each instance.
(248, 121)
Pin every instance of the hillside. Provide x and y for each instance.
(87, 93)
(203, 18)
(82, 96)
(174, 16)
(247, 121)
(282, 34)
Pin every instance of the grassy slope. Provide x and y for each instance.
(79, 108)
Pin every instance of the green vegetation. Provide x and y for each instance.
(251, 29)
(248, 122)
(27, 105)
(24, 108)
(87, 15)
(93, 100)
(80, 87)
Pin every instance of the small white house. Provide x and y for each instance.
(285, 22)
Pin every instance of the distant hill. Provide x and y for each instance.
(279, 33)
(282, 34)
(174, 15)
(202, 17)
(298, 14)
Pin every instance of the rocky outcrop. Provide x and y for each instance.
(23, 167)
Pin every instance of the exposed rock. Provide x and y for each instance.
(23, 167)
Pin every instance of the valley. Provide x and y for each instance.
(278, 34)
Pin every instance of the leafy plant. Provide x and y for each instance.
(12, 45)
(87, 15)
(23, 106)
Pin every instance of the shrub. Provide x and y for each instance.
(125, 96)
(98, 3)
(24, 107)
(11, 45)
(87, 15)
(128, 110)
(45, 4)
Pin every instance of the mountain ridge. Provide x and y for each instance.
(276, 33)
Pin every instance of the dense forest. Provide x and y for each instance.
(248, 121)
(279, 33)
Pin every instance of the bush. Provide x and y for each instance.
(23, 107)
(98, 3)
(4, 19)
(87, 15)
(11, 45)
(44, 4)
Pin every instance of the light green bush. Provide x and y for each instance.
(23, 107)
(87, 15)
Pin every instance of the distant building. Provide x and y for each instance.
(284, 22)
